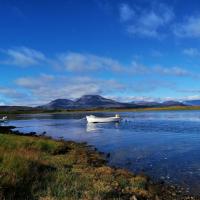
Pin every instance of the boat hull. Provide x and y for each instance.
(3, 119)
(91, 119)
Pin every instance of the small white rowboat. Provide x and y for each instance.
(3, 119)
(94, 119)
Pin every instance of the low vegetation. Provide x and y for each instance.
(41, 168)
(34, 167)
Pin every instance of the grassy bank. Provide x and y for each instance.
(32, 168)
(41, 168)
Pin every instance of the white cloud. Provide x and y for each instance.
(193, 97)
(33, 83)
(138, 68)
(13, 96)
(190, 90)
(23, 57)
(191, 52)
(157, 99)
(147, 22)
(147, 98)
(126, 12)
(189, 28)
(79, 63)
(129, 98)
(154, 20)
(149, 85)
(86, 62)
(174, 71)
(10, 92)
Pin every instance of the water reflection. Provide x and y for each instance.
(91, 127)
(5, 123)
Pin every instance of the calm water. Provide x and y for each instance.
(165, 145)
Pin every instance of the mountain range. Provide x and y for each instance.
(97, 101)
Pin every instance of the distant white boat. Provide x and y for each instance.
(3, 119)
(94, 119)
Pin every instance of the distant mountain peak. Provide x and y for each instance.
(58, 104)
(96, 101)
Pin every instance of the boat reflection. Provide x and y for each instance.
(91, 127)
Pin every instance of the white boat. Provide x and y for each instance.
(3, 119)
(94, 119)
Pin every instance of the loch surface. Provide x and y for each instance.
(163, 144)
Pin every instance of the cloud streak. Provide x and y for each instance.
(157, 21)
(126, 12)
(23, 57)
(191, 52)
(190, 27)
(86, 62)
(13, 96)
(10, 92)
(146, 22)
(77, 62)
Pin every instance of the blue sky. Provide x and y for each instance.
(122, 49)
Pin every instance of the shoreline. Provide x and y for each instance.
(135, 186)
(65, 111)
